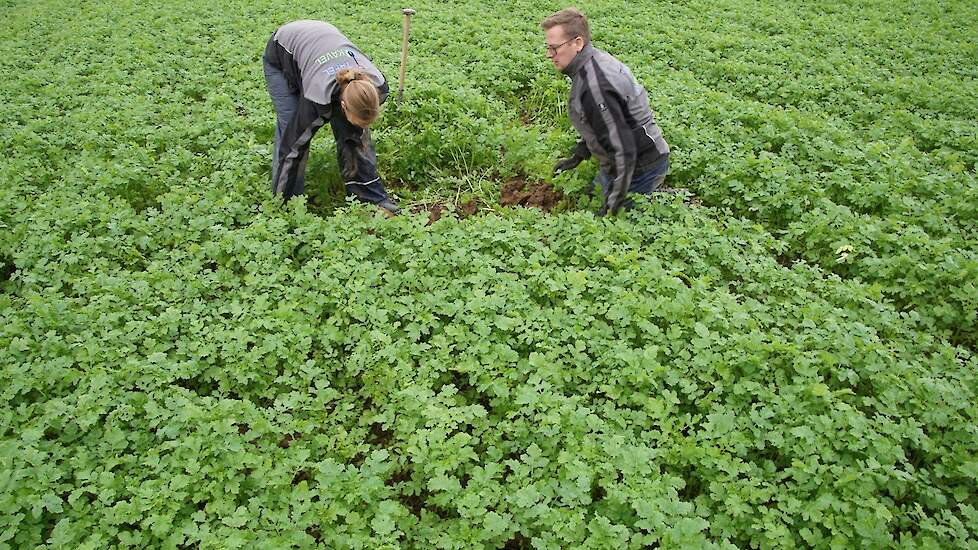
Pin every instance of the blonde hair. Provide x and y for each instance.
(359, 94)
(572, 20)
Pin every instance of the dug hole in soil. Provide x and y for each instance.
(545, 197)
(518, 193)
(513, 193)
(540, 195)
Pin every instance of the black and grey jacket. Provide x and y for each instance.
(310, 54)
(610, 110)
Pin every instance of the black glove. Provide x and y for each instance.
(566, 164)
(608, 209)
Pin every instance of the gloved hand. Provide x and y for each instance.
(566, 164)
(608, 209)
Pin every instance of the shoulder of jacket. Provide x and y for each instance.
(614, 74)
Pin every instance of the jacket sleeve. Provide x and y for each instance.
(604, 111)
(356, 155)
(309, 117)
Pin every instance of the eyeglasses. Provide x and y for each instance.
(553, 49)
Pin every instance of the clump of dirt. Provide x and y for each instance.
(469, 208)
(434, 211)
(540, 195)
(437, 210)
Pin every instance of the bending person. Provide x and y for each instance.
(315, 75)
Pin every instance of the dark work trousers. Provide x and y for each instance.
(645, 183)
(358, 182)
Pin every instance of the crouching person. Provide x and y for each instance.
(610, 110)
(315, 76)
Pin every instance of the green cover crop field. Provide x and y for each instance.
(790, 361)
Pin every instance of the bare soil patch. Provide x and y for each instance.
(539, 195)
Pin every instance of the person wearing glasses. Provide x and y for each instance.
(610, 110)
(315, 76)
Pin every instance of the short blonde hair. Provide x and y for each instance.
(572, 20)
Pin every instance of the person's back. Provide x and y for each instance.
(610, 110)
(320, 51)
(633, 93)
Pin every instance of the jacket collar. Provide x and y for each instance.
(579, 60)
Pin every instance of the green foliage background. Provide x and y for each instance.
(187, 362)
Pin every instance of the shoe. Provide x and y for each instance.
(389, 206)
